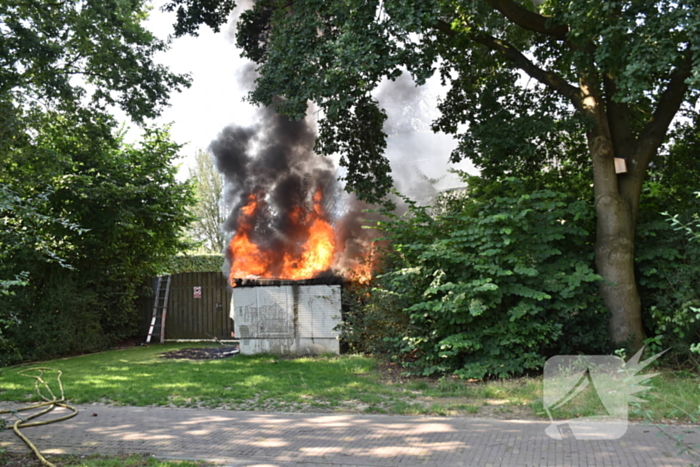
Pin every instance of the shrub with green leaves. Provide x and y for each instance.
(668, 263)
(371, 313)
(193, 263)
(669, 283)
(90, 216)
(498, 277)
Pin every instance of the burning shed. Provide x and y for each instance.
(294, 237)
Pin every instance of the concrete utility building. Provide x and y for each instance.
(286, 317)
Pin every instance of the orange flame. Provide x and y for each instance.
(248, 259)
(363, 271)
(315, 255)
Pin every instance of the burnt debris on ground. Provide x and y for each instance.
(210, 353)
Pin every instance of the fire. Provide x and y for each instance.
(303, 258)
(248, 258)
(362, 272)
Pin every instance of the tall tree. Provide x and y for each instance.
(209, 207)
(69, 61)
(71, 192)
(109, 212)
(516, 71)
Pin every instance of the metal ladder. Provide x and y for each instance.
(160, 309)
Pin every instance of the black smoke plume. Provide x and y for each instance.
(274, 161)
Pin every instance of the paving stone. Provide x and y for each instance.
(296, 439)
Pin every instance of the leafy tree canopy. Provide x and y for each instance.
(84, 218)
(47, 46)
(634, 54)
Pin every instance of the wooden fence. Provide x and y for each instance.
(191, 315)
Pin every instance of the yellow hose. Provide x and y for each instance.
(50, 404)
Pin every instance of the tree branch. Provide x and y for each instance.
(529, 20)
(618, 120)
(516, 57)
(670, 101)
(519, 60)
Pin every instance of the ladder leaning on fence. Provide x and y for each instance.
(160, 309)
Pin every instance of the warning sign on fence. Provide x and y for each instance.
(197, 292)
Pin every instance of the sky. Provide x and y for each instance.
(198, 113)
(215, 100)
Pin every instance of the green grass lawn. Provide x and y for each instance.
(139, 377)
(134, 460)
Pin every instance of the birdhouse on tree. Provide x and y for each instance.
(620, 165)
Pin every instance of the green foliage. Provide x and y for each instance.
(691, 228)
(193, 263)
(59, 316)
(23, 222)
(668, 265)
(25, 233)
(192, 13)
(668, 253)
(335, 53)
(372, 313)
(113, 213)
(84, 216)
(45, 46)
(494, 282)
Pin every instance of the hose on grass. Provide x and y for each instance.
(49, 402)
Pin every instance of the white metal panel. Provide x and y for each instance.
(244, 304)
(317, 346)
(287, 319)
(326, 322)
(305, 311)
(319, 311)
(273, 320)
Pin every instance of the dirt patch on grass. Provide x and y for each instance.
(398, 405)
(394, 373)
(207, 353)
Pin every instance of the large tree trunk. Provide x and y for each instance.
(614, 249)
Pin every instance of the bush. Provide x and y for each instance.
(371, 314)
(89, 218)
(193, 263)
(490, 282)
(668, 263)
(59, 317)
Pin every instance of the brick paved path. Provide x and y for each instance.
(283, 439)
